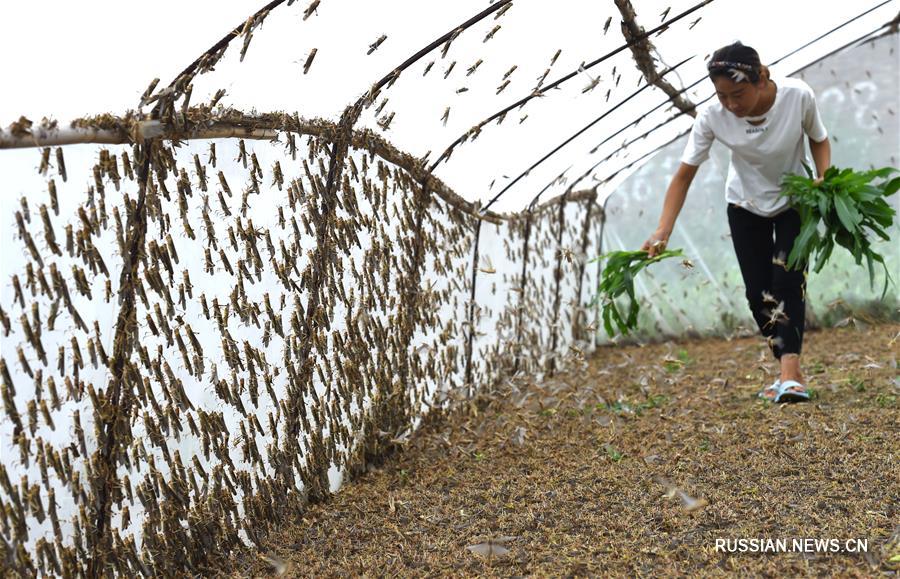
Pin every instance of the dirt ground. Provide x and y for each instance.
(633, 466)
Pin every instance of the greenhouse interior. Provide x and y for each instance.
(428, 358)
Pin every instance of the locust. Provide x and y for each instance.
(309, 60)
(491, 34)
(374, 46)
(312, 8)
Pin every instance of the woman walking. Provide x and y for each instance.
(763, 122)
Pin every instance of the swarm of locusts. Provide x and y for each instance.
(221, 298)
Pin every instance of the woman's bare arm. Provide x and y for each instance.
(675, 196)
(821, 154)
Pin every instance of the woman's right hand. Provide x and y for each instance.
(656, 243)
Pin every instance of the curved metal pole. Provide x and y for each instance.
(449, 36)
(835, 29)
(540, 92)
(698, 81)
(576, 135)
(773, 63)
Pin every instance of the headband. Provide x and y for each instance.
(737, 70)
(729, 64)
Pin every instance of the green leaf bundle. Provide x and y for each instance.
(618, 279)
(850, 206)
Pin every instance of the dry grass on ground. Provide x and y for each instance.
(633, 467)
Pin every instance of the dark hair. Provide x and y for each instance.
(735, 57)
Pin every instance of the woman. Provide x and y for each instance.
(763, 122)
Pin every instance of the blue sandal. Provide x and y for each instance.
(792, 391)
(771, 393)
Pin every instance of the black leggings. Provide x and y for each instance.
(776, 296)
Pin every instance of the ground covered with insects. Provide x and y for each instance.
(633, 466)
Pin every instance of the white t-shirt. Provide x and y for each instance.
(760, 155)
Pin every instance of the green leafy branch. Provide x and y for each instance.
(850, 206)
(618, 280)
